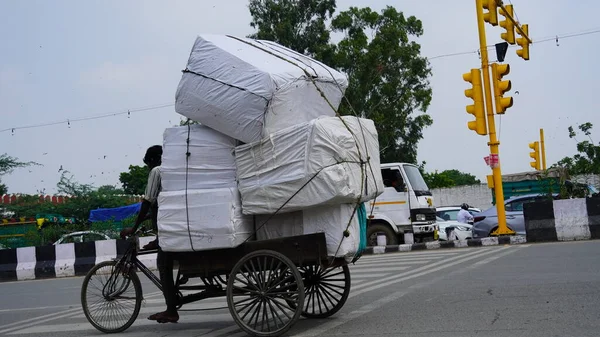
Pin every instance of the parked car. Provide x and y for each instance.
(453, 230)
(449, 213)
(83, 236)
(487, 221)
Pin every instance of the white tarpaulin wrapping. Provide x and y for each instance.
(332, 220)
(249, 88)
(215, 220)
(211, 163)
(318, 163)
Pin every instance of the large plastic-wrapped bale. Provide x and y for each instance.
(334, 221)
(249, 88)
(196, 220)
(327, 161)
(210, 164)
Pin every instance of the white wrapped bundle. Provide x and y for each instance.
(211, 163)
(331, 220)
(248, 88)
(215, 220)
(318, 163)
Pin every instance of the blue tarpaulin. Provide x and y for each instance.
(114, 214)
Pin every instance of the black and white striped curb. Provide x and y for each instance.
(491, 241)
(31, 263)
(562, 220)
(64, 260)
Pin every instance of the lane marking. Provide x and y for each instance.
(392, 280)
(475, 253)
(321, 330)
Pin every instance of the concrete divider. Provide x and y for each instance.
(562, 220)
(64, 260)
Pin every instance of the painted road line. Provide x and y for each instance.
(36, 320)
(321, 330)
(475, 253)
(393, 280)
(374, 269)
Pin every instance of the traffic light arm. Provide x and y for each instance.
(515, 22)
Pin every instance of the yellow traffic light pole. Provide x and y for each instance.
(493, 143)
(543, 149)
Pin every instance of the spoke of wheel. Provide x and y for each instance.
(265, 317)
(282, 309)
(309, 299)
(243, 301)
(328, 271)
(254, 311)
(256, 274)
(274, 274)
(252, 275)
(332, 287)
(332, 300)
(250, 307)
(257, 315)
(274, 312)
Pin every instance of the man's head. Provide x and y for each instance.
(153, 156)
(465, 207)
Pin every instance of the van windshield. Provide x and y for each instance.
(416, 180)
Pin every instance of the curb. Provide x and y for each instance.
(491, 241)
(64, 260)
(67, 260)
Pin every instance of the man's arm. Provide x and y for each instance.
(152, 191)
(144, 209)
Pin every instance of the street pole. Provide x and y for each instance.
(493, 143)
(543, 149)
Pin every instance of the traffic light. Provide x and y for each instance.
(501, 87)
(476, 109)
(509, 35)
(491, 16)
(535, 146)
(524, 43)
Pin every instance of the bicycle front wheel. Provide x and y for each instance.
(111, 298)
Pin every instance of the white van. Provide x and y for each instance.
(405, 210)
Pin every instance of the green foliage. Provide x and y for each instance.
(134, 182)
(447, 178)
(388, 77)
(297, 24)
(438, 180)
(83, 198)
(7, 165)
(587, 160)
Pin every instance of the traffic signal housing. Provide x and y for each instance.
(524, 43)
(476, 109)
(535, 155)
(491, 16)
(507, 24)
(501, 87)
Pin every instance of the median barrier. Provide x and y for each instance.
(76, 259)
(562, 220)
(63, 260)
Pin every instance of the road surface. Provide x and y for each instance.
(521, 290)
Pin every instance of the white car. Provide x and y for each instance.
(83, 236)
(449, 213)
(453, 230)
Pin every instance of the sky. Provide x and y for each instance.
(67, 60)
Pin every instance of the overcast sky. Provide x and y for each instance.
(63, 60)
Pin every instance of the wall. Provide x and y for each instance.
(480, 196)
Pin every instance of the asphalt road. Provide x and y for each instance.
(523, 290)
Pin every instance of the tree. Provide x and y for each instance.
(7, 165)
(461, 178)
(388, 78)
(447, 178)
(134, 181)
(296, 24)
(587, 160)
(109, 190)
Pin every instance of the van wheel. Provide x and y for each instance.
(373, 229)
